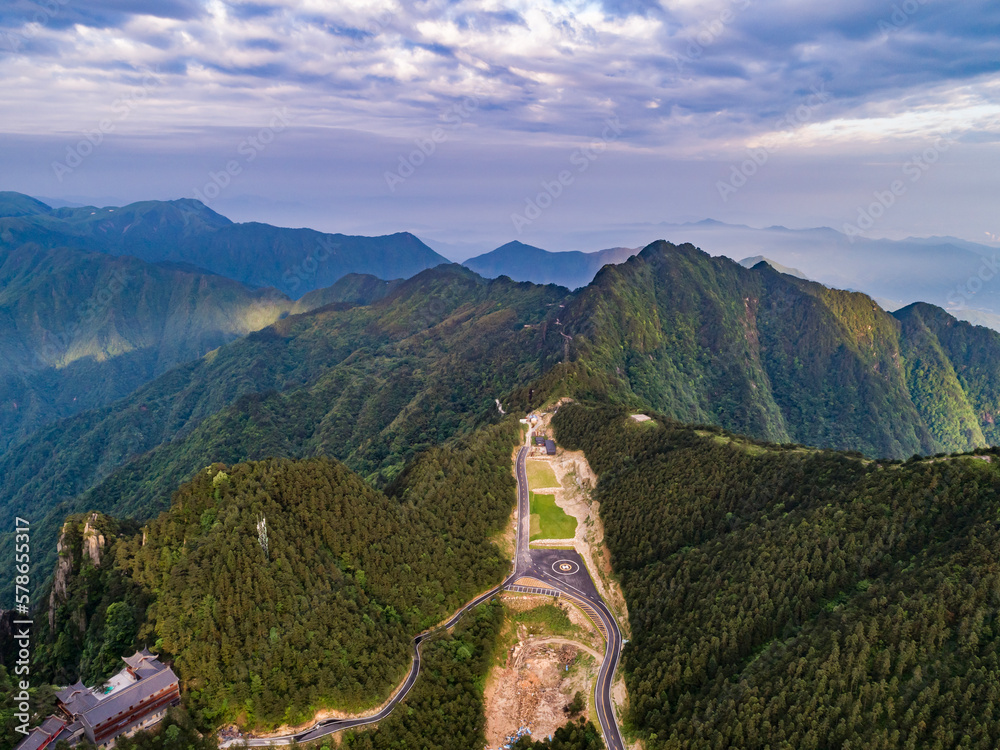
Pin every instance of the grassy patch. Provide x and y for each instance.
(545, 620)
(553, 523)
(540, 475)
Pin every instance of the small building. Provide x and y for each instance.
(135, 698)
(550, 447)
(539, 440)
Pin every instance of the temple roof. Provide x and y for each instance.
(40, 735)
(137, 659)
(66, 694)
(122, 700)
(77, 699)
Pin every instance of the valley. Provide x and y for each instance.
(371, 423)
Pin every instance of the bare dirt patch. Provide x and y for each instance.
(533, 686)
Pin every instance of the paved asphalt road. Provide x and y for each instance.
(562, 570)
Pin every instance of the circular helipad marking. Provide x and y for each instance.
(565, 567)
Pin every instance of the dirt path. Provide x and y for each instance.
(570, 642)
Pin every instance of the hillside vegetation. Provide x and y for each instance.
(781, 596)
(79, 330)
(761, 353)
(672, 330)
(280, 587)
(444, 711)
(373, 386)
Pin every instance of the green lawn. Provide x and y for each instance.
(548, 520)
(540, 475)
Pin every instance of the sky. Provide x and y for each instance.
(475, 122)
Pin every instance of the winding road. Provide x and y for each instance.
(559, 572)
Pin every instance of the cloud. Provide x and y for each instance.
(689, 79)
(721, 69)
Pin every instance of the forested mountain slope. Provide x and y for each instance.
(372, 386)
(79, 330)
(352, 289)
(953, 372)
(705, 340)
(700, 339)
(324, 579)
(295, 261)
(781, 596)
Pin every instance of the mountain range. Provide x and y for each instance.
(370, 422)
(523, 262)
(952, 273)
(697, 338)
(79, 330)
(294, 261)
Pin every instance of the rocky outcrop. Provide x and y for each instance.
(82, 540)
(93, 541)
(64, 567)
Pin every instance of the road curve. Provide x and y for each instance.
(605, 676)
(522, 563)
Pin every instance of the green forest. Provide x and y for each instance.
(279, 587)
(789, 597)
(372, 386)
(444, 711)
(581, 735)
(778, 594)
(673, 330)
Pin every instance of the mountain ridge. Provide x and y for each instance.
(521, 262)
(294, 261)
(698, 338)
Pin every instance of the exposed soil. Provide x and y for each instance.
(532, 688)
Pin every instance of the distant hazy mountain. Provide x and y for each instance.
(294, 261)
(528, 263)
(79, 330)
(754, 260)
